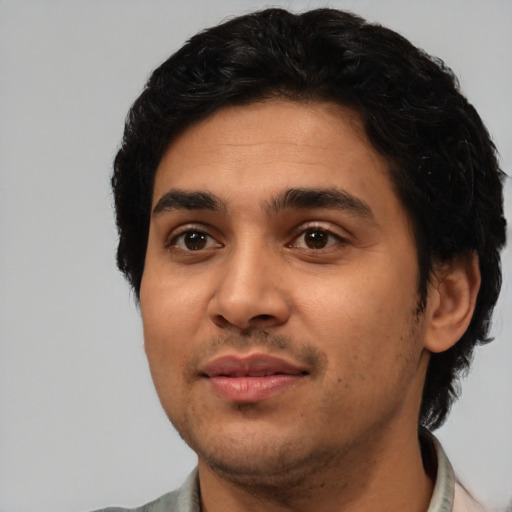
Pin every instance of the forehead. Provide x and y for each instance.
(271, 146)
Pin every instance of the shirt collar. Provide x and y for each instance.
(444, 487)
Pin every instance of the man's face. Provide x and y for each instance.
(279, 296)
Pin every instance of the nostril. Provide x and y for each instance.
(221, 321)
(263, 317)
(248, 310)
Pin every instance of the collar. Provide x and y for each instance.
(444, 487)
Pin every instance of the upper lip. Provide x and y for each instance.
(255, 365)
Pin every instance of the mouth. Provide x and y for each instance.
(252, 378)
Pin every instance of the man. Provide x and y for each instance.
(310, 214)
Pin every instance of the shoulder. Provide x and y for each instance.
(184, 499)
(166, 503)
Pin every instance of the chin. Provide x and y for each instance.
(262, 461)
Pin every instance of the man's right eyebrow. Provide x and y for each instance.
(175, 199)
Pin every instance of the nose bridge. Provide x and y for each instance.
(249, 291)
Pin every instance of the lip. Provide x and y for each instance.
(251, 378)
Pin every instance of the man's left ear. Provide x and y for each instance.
(451, 301)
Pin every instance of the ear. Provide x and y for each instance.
(451, 301)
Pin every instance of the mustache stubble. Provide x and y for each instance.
(303, 353)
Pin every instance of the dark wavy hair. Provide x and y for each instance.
(443, 163)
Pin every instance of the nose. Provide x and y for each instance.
(249, 294)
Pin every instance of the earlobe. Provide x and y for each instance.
(451, 301)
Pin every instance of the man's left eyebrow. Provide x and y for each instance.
(188, 200)
(331, 198)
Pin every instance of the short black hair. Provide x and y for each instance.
(443, 163)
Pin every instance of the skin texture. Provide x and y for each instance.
(236, 268)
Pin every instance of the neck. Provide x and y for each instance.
(384, 474)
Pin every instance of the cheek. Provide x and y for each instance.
(361, 318)
(169, 307)
(346, 301)
(160, 319)
(172, 313)
(165, 354)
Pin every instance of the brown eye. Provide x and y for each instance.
(316, 238)
(194, 241)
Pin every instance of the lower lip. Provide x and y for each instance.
(252, 389)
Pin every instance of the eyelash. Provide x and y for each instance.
(189, 230)
(331, 239)
(303, 230)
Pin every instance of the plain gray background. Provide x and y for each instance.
(80, 424)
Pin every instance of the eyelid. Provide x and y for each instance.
(186, 228)
(296, 244)
(341, 234)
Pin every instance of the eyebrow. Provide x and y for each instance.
(184, 200)
(331, 198)
(294, 198)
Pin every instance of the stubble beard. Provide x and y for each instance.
(266, 464)
(281, 469)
